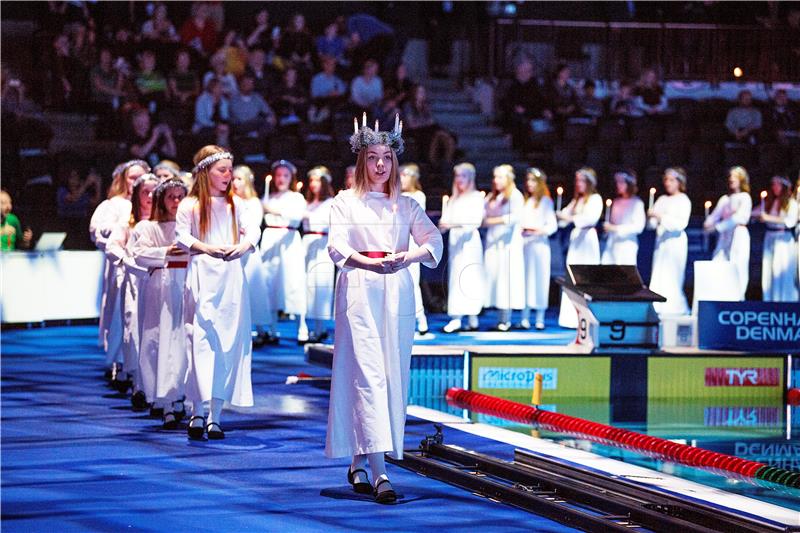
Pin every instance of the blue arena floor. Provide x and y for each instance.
(76, 458)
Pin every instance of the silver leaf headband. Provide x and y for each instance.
(783, 180)
(210, 160)
(162, 166)
(170, 183)
(629, 178)
(133, 162)
(365, 136)
(145, 177)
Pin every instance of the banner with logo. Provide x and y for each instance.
(749, 326)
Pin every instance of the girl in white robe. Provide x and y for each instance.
(462, 215)
(281, 245)
(163, 359)
(583, 211)
(729, 219)
(371, 226)
(320, 270)
(503, 255)
(409, 181)
(778, 272)
(112, 213)
(254, 272)
(538, 224)
(130, 275)
(670, 216)
(209, 225)
(626, 222)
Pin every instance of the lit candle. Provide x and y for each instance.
(707, 206)
(377, 126)
(559, 196)
(401, 127)
(299, 186)
(267, 181)
(396, 121)
(652, 198)
(355, 125)
(364, 119)
(445, 199)
(608, 210)
(763, 199)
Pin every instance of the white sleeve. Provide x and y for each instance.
(635, 225)
(591, 213)
(184, 222)
(339, 247)
(426, 235)
(550, 222)
(144, 249)
(678, 218)
(249, 232)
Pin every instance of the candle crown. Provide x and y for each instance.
(366, 136)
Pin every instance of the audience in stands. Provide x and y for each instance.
(182, 82)
(159, 28)
(434, 141)
(150, 83)
(150, 143)
(264, 77)
(12, 236)
(199, 32)
(523, 102)
(744, 121)
(291, 103)
(227, 81)
(784, 119)
(590, 105)
(623, 103)
(211, 115)
(650, 95)
(249, 112)
(560, 96)
(366, 90)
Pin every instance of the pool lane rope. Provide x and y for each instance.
(653, 446)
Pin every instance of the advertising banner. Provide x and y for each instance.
(749, 326)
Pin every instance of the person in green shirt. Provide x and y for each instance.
(11, 234)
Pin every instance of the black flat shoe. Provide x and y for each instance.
(214, 434)
(157, 412)
(360, 487)
(121, 385)
(139, 401)
(385, 496)
(170, 421)
(272, 340)
(195, 432)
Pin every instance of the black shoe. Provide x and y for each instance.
(272, 340)
(157, 412)
(386, 496)
(170, 420)
(121, 385)
(139, 401)
(322, 336)
(214, 434)
(361, 487)
(195, 432)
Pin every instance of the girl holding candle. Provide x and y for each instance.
(281, 246)
(729, 219)
(670, 216)
(778, 272)
(320, 270)
(538, 223)
(370, 229)
(409, 181)
(162, 351)
(210, 226)
(583, 211)
(503, 256)
(252, 210)
(462, 215)
(626, 222)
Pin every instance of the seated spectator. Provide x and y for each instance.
(108, 84)
(328, 92)
(260, 35)
(199, 32)
(63, 69)
(182, 82)
(159, 27)
(12, 236)
(370, 38)
(366, 91)
(623, 103)
(291, 104)
(588, 104)
(521, 103)
(263, 76)
(150, 83)
(250, 113)
(744, 121)
(227, 82)
(397, 89)
(784, 119)
(436, 142)
(23, 120)
(331, 44)
(561, 97)
(235, 53)
(147, 142)
(650, 95)
(76, 198)
(211, 115)
(297, 45)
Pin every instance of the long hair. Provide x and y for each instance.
(247, 176)
(541, 190)
(679, 171)
(361, 186)
(742, 176)
(325, 178)
(413, 171)
(202, 191)
(783, 198)
(119, 181)
(292, 170)
(508, 171)
(136, 204)
(631, 189)
(590, 177)
(468, 169)
(159, 211)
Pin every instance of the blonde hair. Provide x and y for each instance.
(247, 178)
(541, 190)
(590, 177)
(468, 169)
(119, 182)
(413, 171)
(361, 186)
(679, 172)
(741, 174)
(202, 191)
(508, 171)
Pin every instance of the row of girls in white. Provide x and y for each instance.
(176, 295)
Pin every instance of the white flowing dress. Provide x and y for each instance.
(254, 271)
(375, 322)
(503, 256)
(537, 250)
(422, 200)
(217, 306)
(671, 249)
(730, 218)
(779, 262)
(465, 272)
(282, 253)
(622, 245)
(320, 270)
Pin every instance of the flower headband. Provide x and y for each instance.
(169, 183)
(162, 166)
(783, 180)
(133, 162)
(365, 136)
(144, 177)
(286, 164)
(210, 160)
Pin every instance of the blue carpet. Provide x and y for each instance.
(76, 458)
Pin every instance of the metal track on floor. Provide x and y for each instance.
(570, 495)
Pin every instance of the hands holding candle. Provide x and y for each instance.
(652, 198)
(559, 197)
(608, 210)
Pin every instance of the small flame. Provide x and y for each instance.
(560, 190)
(652, 190)
(708, 204)
(299, 186)
(763, 194)
(608, 202)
